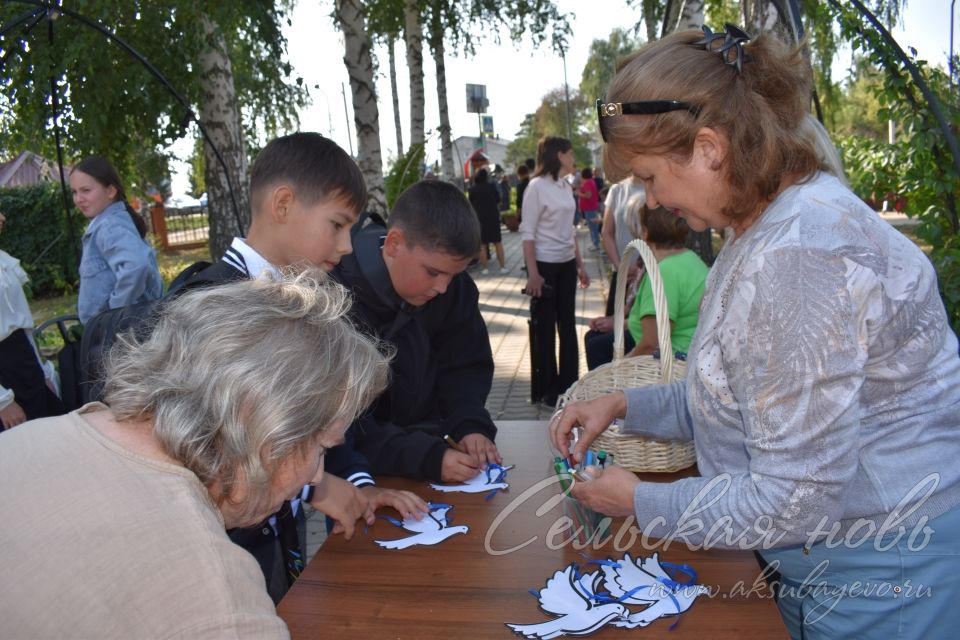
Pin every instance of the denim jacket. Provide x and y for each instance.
(118, 267)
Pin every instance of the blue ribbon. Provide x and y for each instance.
(501, 476)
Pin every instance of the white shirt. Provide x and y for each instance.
(14, 310)
(548, 209)
(624, 201)
(242, 256)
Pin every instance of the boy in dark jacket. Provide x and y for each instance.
(410, 290)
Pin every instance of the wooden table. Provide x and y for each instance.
(470, 585)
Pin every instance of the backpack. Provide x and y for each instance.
(101, 331)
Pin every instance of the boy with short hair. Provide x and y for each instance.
(305, 194)
(410, 290)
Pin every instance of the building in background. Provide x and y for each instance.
(26, 169)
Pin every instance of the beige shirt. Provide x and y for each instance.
(99, 542)
(548, 209)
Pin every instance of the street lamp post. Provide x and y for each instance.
(566, 92)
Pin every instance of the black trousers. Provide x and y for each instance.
(599, 347)
(555, 317)
(21, 373)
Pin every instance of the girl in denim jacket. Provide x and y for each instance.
(118, 267)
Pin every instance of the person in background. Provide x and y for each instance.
(589, 198)
(485, 200)
(683, 274)
(115, 517)
(523, 180)
(118, 267)
(503, 188)
(554, 265)
(823, 386)
(621, 224)
(26, 393)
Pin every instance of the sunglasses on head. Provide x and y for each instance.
(641, 108)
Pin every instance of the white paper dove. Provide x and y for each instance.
(586, 603)
(649, 583)
(569, 597)
(432, 529)
(490, 478)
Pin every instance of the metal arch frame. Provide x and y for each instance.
(51, 11)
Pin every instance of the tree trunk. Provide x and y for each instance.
(221, 118)
(413, 36)
(691, 15)
(396, 96)
(671, 14)
(446, 144)
(649, 10)
(366, 116)
(760, 16)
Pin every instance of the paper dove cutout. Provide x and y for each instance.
(578, 615)
(586, 603)
(432, 529)
(490, 478)
(649, 584)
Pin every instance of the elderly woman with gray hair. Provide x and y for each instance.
(114, 518)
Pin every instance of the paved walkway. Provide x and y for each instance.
(506, 310)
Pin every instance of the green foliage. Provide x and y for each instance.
(602, 62)
(919, 166)
(404, 171)
(858, 113)
(550, 119)
(110, 105)
(36, 233)
(197, 166)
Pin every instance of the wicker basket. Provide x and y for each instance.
(633, 452)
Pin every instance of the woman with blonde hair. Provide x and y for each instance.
(823, 384)
(115, 516)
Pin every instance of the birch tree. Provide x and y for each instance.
(366, 115)
(229, 209)
(413, 37)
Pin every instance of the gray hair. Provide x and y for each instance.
(237, 377)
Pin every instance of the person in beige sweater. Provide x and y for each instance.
(114, 518)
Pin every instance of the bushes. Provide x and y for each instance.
(404, 171)
(36, 233)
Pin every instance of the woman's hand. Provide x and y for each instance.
(583, 277)
(534, 284)
(594, 416)
(12, 415)
(481, 448)
(343, 502)
(610, 492)
(407, 503)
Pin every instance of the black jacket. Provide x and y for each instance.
(441, 372)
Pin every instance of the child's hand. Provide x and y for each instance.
(481, 448)
(409, 504)
(343, 502)
(458, 467)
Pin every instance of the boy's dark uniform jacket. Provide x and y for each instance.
(441, 372)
